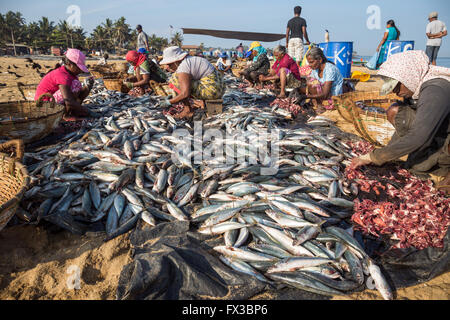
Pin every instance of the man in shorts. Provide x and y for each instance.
(142, 39)
(436, 30)
(296, 30)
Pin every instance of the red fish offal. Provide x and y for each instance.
(409, 210)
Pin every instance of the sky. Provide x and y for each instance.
(346, 20)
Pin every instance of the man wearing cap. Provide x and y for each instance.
(422, 129)
(436, 30)
(142, 39)
(224, 63)
(194, 77)
(63, 84)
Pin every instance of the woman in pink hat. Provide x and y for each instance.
(64, 85)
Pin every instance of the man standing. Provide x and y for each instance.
(436, 30)
(296, 30)
(142, 39)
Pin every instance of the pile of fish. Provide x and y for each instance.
(409, 210)
(282, 226)
(289, 105)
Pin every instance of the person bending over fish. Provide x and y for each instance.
(144, 71)
(259, 66)
(422, 131)
(224, 64)
(63, 84)
(285, 69)
(193, 77)
(325, 79)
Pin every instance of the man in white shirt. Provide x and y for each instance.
(436, 30)
(142, 39)
(224, 63)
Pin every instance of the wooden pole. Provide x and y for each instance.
(14, 43)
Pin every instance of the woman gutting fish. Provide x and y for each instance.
(422, 131)
(64, 85)
(284, 69)
(145, 70)
(259, 66)
(325, 79)
(193, 77)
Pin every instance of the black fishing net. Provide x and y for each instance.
(171, 262)
(408, 267)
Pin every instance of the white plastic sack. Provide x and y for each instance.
(372, 63)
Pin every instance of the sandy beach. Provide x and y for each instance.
(36, 263)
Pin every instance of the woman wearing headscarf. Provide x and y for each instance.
(423, 130)
(259, 66)
(144, 71)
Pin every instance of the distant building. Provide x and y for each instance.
(21, 49)
(56, 51)
(192, 49)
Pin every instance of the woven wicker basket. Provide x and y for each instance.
(28, 91)
(238, 66)
(115, 84)
(345, 102)
(96, 74)
(13, 181)
(121, 67)
(373, 126)
(101, 71)
(30, 121)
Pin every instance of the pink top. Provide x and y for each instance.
(52, 80)
(288, 63)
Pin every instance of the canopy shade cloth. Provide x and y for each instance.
(239, 35)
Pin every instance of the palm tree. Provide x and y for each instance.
(62, 33)
(132, 40)
(78, 37)
(46, 29)
(13, 23)
(99, 35)
(123, 31)
(109, 28)
(158, 42)
(177, 39)
(31, 35)
(3, 31)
